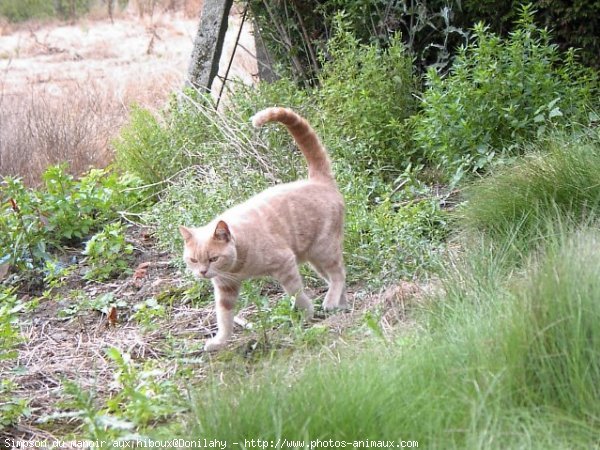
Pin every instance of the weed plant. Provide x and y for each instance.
(35, 222)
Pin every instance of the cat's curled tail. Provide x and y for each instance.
(319, 165)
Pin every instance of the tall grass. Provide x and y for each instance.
(513, 362)
(559, 177)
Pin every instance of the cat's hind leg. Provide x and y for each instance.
(331, 268)
(289, 277)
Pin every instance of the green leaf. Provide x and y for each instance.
(555, 113)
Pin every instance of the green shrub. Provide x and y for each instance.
(144, 149)
(499, 94)
(573, 24)
(387, 236)
(106, 253)
(366, 94)
(63, 212)
(558, 179)
(21, 10)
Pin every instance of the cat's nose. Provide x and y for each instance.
(203, 272)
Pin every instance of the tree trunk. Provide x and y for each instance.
(208, 44)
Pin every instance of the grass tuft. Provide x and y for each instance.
(560, 177)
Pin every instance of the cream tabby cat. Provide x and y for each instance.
(274, 232)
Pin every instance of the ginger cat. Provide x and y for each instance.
(273, 232)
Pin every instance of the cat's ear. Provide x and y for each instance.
(222, 232)
(186, 233)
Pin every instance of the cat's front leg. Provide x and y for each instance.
(226, 294)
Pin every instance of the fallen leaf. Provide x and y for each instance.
(4, 270)
(13, 204)
(112, 316)
(141, 271)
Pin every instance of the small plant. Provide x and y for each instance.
(35, 222)
(97, 423)
(10, 334)
(143, 396)
(11, 407)
(105, 253)
(147, 312)
(82, 302)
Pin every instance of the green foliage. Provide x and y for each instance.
(63, 212)
(147, 312)
(96, 423)
(146, 395)
(295, 32)
(574, 24)
(10, 334)
(499, 94)
(145, 149)
(558, 179)
(21, 10)
(388, 234)
(496, 365)
(11, 407)
(82, 302)
(366, 94)
(106, 253)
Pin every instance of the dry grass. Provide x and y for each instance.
(38, 129)
(66, 90)
(73, 123)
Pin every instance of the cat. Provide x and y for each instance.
(273, 232)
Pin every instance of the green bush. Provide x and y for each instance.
(21, 10)
(499, 94)
(574, 24)
(366, 94)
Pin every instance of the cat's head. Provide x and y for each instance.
(208, 251)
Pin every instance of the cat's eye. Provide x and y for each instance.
(193, 260)
(213, 259)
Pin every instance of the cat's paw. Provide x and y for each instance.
(214, 344)
(342, 306)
